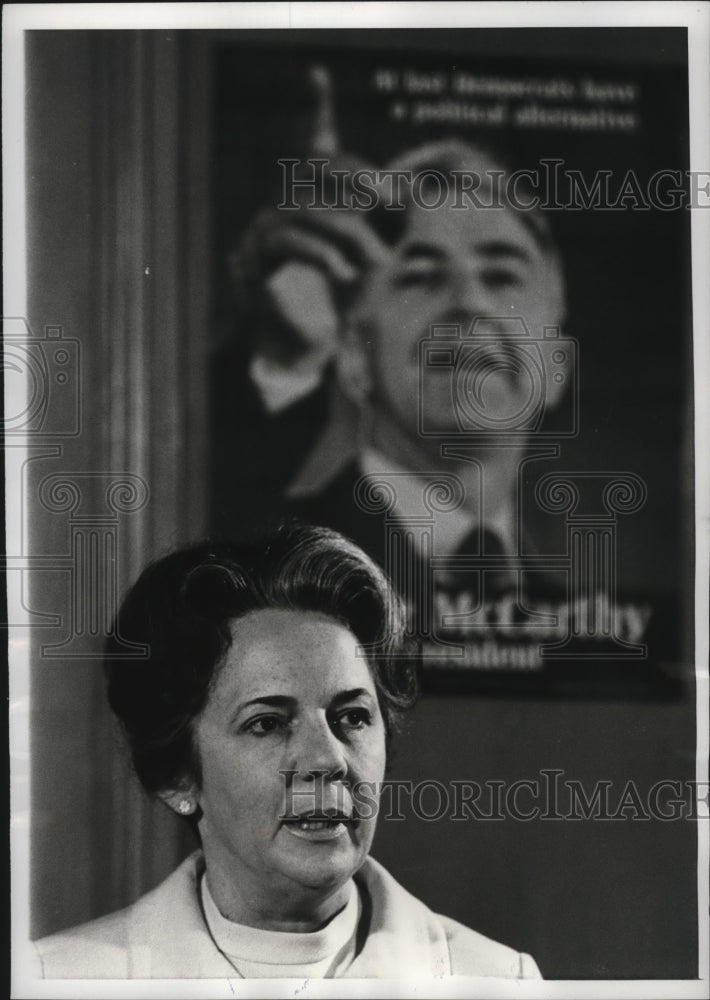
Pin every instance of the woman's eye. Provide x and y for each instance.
(354, 718)
(265, 724)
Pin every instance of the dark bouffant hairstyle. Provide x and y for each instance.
(181, 608)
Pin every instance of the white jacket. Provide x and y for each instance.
(164, 936)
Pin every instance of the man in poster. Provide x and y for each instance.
(441, 302)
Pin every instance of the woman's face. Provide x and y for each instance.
(291, 725)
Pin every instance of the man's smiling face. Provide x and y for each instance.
(454, 265)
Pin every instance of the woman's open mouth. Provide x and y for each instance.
(317, 828)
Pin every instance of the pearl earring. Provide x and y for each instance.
(185, 807)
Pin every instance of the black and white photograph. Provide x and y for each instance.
(355, 360)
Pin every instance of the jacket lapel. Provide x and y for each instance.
(405, 939)
(168, 937)
(167, 934)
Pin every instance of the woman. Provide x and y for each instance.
(273, 680)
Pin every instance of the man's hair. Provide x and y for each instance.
(452, 157)
(181, 609)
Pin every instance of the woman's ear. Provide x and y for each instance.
(353, 364)
(182, 801)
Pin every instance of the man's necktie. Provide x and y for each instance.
(477, 548)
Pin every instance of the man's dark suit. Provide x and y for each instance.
(501, 654)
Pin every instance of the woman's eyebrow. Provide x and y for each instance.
(344, 696)
(272, 700)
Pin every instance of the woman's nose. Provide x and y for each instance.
(319, 752)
